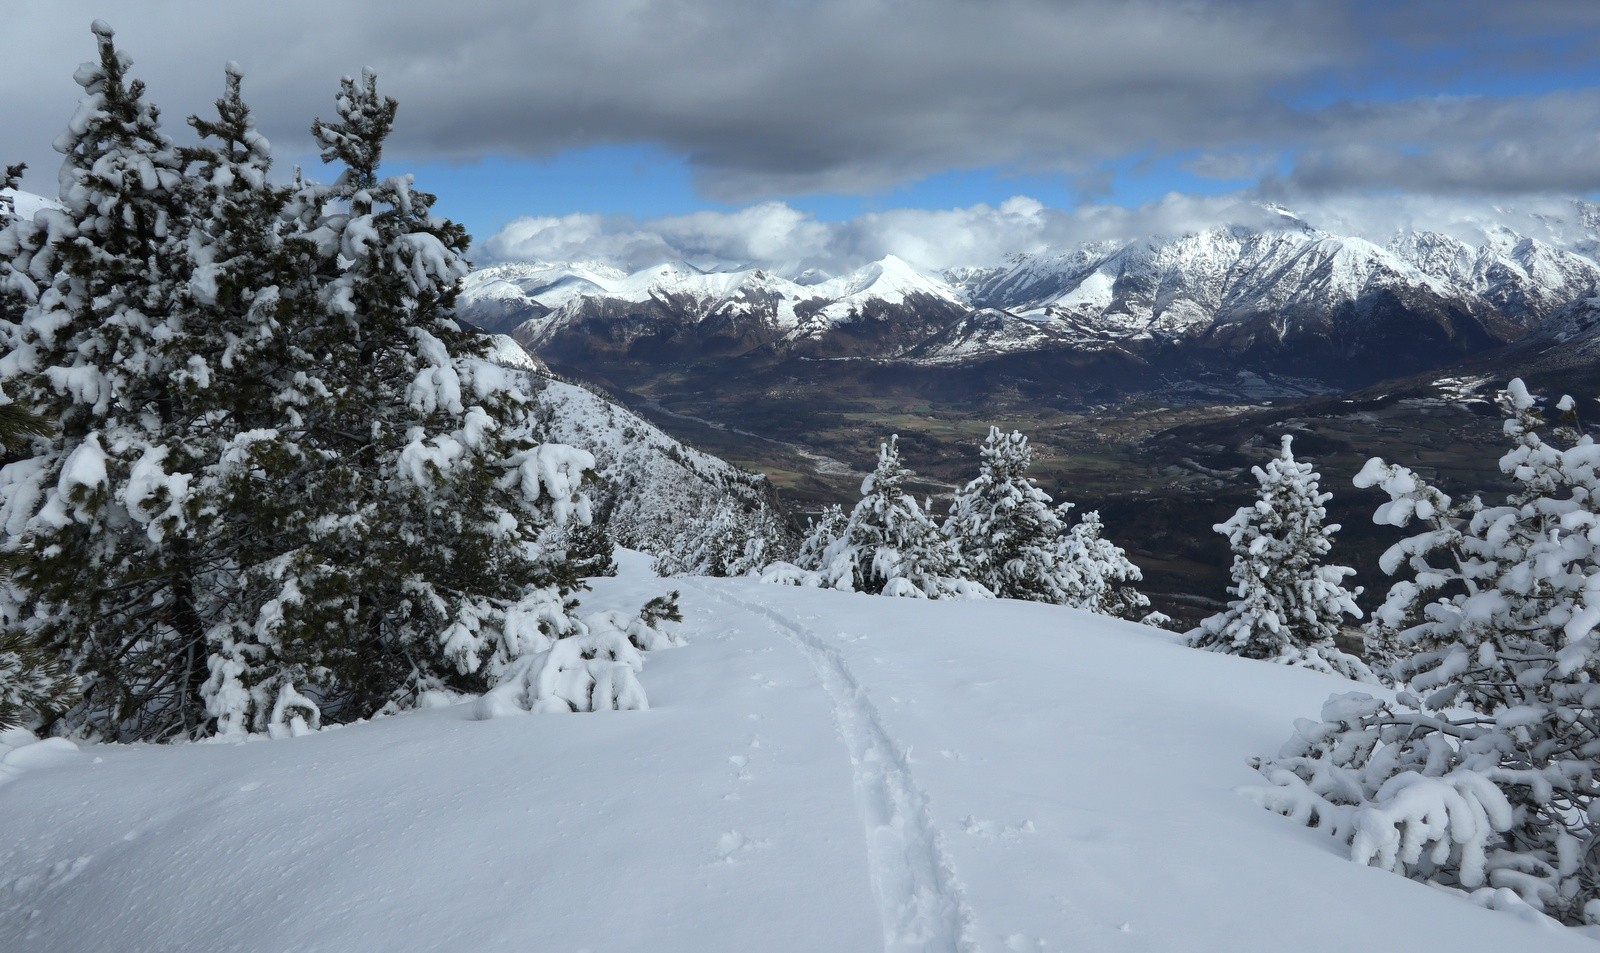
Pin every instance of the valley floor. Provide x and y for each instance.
(819, 771)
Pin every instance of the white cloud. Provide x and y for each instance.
(773, 233)
(934, 239)
(578, 237)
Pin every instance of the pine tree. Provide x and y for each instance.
(428, 488)
(827, 526)
(890, 544)
(734, 541)
(1018, 545)
(90, 355)
(1005, 526)
(1289, 604)
(1094, 573)
(233, 435)
(1484, 774)
(32, 683)
(589, 547)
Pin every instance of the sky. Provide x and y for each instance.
(947, 131)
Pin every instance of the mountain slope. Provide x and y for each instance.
(818, 771)
(653, 487)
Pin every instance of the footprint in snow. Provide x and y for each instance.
(733, 843)
(994, 830)
(60, 873)
(740, 762)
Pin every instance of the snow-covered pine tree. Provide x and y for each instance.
(1018, 545)
(281, 483)
(90, 354)
(891, 545)
(734, 541)
(244, 445)
(1289, 604)
(589, 547)
(1485, 774)
(827, 526)
(1005, 526)
(1096, 574)
(428, 489)
(19, 424)
(769, 537)
(32, 682)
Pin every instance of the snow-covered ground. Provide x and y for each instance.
(819, 771)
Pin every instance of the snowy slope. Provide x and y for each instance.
(819, 771)
(24, 204)
(654, 486)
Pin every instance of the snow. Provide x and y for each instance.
(1093, 292)
(816, 771)
(26, 204)
(506, 351)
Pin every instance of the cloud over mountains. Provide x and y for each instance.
(774, 234)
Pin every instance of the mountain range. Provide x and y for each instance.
(1285, 299)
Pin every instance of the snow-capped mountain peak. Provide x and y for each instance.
(889, 279)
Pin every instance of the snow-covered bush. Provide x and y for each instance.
(594, 671)
(1484, 774)
(1289, 604)
(650, 630)
(594, 666)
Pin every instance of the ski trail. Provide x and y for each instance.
(921, 900)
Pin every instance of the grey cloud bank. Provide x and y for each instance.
(774, 98)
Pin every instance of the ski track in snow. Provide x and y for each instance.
(922, 901)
